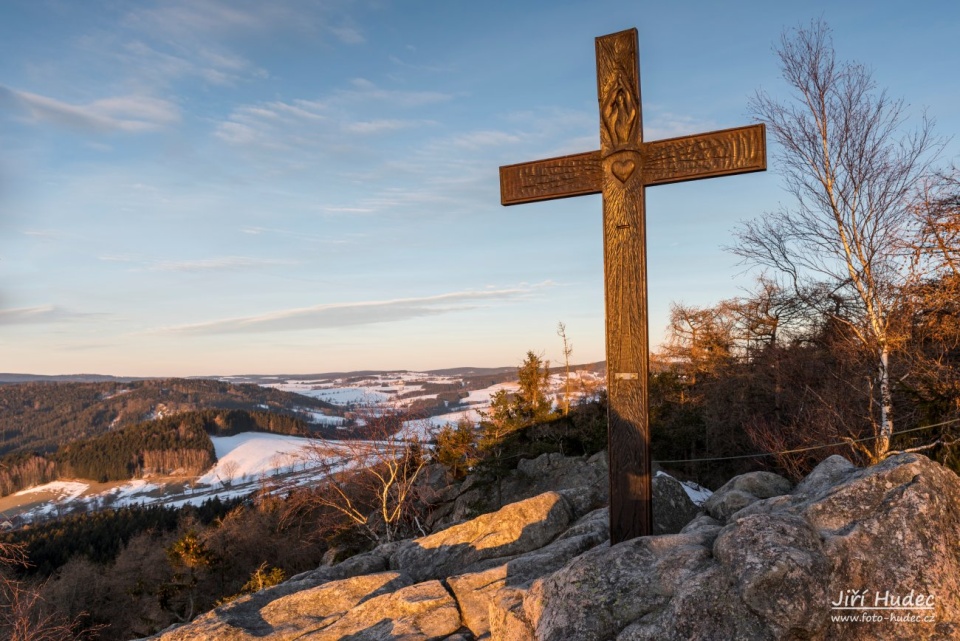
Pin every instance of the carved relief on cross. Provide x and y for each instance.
(621, 170)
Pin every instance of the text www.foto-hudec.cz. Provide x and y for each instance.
(874, 606)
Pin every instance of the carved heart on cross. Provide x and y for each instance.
(623, 169)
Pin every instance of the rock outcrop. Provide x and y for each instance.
(427, 588)
(762, 565)
(763, 560)
(548, 472)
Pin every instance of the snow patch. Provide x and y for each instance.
(320, 418)
(65, 490)
(697, 493)
(483, 396)
(130, 493)
(452, 418)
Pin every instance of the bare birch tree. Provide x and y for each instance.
(853, 169)
(567, 351)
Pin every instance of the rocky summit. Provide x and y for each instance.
(846, 554)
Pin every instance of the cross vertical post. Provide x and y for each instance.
(625, 285)
(621, 170)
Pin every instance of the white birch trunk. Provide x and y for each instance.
(886, 404)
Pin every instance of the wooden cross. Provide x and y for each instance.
(621, 170)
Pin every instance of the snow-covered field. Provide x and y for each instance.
(60, 496)
(366, 391)
(250, 455)
(477, 401)
(61, 490)
(343, 395)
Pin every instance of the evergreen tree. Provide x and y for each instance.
(457, 448)
(531, 404)
(509, 413)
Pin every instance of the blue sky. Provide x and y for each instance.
(197, 187)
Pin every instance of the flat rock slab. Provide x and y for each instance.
(508, 532)
(416, 613)
(289, 615)
(475, 591)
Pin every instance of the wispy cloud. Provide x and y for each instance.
(362, 90)
(118, 258)
(432, 68)
(132, 114)
(348, 35)
(43, 234)
(161, 63)
(206, 20)
(225, 263)
(334, 315)
(548, 132)
(378, 126)
(194, 19)
(479, 139)
(220, 263)
(661, 124)
(313, 238)
(35, 315)
(326, 123)
(177, 38)
(348, 210)
(272, 125)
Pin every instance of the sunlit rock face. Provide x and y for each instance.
(763, 560)
(426, 588)
(814, 562)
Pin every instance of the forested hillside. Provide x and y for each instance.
(43, 416)
(162, 447)
(177, 444)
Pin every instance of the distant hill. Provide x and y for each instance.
(473, 371)
(42, 413)
(471, 376)
(480, 377)
(41, 416)
(66, 378)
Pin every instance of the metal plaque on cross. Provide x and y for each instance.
(621, 170)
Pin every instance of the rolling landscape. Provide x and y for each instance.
(249, 429)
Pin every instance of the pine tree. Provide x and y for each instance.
(531, 404)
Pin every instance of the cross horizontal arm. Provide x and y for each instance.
(718, 153)
(576, 175)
